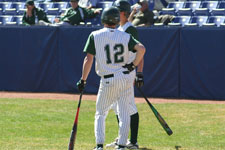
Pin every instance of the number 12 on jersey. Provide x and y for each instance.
(118, 51)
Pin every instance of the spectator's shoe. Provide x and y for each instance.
(132, 146)
(100, 148)
(113, 144)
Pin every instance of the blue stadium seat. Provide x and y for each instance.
(197, 21)
(180, 21)
(192, 5)
(104, 4)
(209, 4)
(5, 19)
(12, 9)
(53, 11)
(1, 11)
(57, 8)
(218, 12)
(184, 12)
(221, 4)
(201, 12)
(45, 6)
(61, 5)
(21, 8)
(94, 21)
(215, 21)
(169, 11)
(51, 18)
(175, 5)
(17, 19)
(4, 6)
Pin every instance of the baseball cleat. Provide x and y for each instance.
(100, 148)
(113, 144)
(132, 146)
(119, 148)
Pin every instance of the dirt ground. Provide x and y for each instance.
(63, 96)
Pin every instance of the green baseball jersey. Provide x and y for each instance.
(111, 49)
(77, 15)
(37, 13)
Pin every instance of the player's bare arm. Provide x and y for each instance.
(88, 61)
(140, 66)
(140, 53)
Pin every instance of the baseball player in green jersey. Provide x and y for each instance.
(125, 26)
(110, 48)
(33, 15)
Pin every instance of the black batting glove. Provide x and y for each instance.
(81, 85)
(139, 80)
(130, 67)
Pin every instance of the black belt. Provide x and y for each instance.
(112, 75)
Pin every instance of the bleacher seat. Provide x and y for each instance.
(53, 11)
(175, 5)
(215, 21)
(61, 5)
(218, 12)
(4, 6)
(12, 9)
(184, 12)
(209, 4)
(1, 11)
(51, 18)
(17, 19)
(5, 19)
(201, 12)
(180, 21)
(94, 21)
(104, 4)
(57, 8)
(197, 21)
(45, 6)
(221, 4)
(168, 11)
(192, 5)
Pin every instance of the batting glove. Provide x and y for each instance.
(81, 85)
(130, 67)
(139, 80)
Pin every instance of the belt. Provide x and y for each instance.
(112, 75)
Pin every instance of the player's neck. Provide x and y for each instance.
(123, 21)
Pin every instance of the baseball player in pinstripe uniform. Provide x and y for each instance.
(125, 26)
(111, 47)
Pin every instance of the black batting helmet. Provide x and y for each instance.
(122, 5)
(110, 16)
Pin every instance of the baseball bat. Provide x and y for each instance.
(157, 115)
(75, 124)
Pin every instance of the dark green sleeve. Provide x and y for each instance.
(68, 13)
(90, 45)
(132, 31)
(24, 20)
(89, 13)
(132, 43)
(42, 15)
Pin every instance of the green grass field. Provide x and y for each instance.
(28, 124)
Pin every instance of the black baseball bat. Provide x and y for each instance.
(75, 124)
(157, 115)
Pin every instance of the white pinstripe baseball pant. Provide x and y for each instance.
(117, 89)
